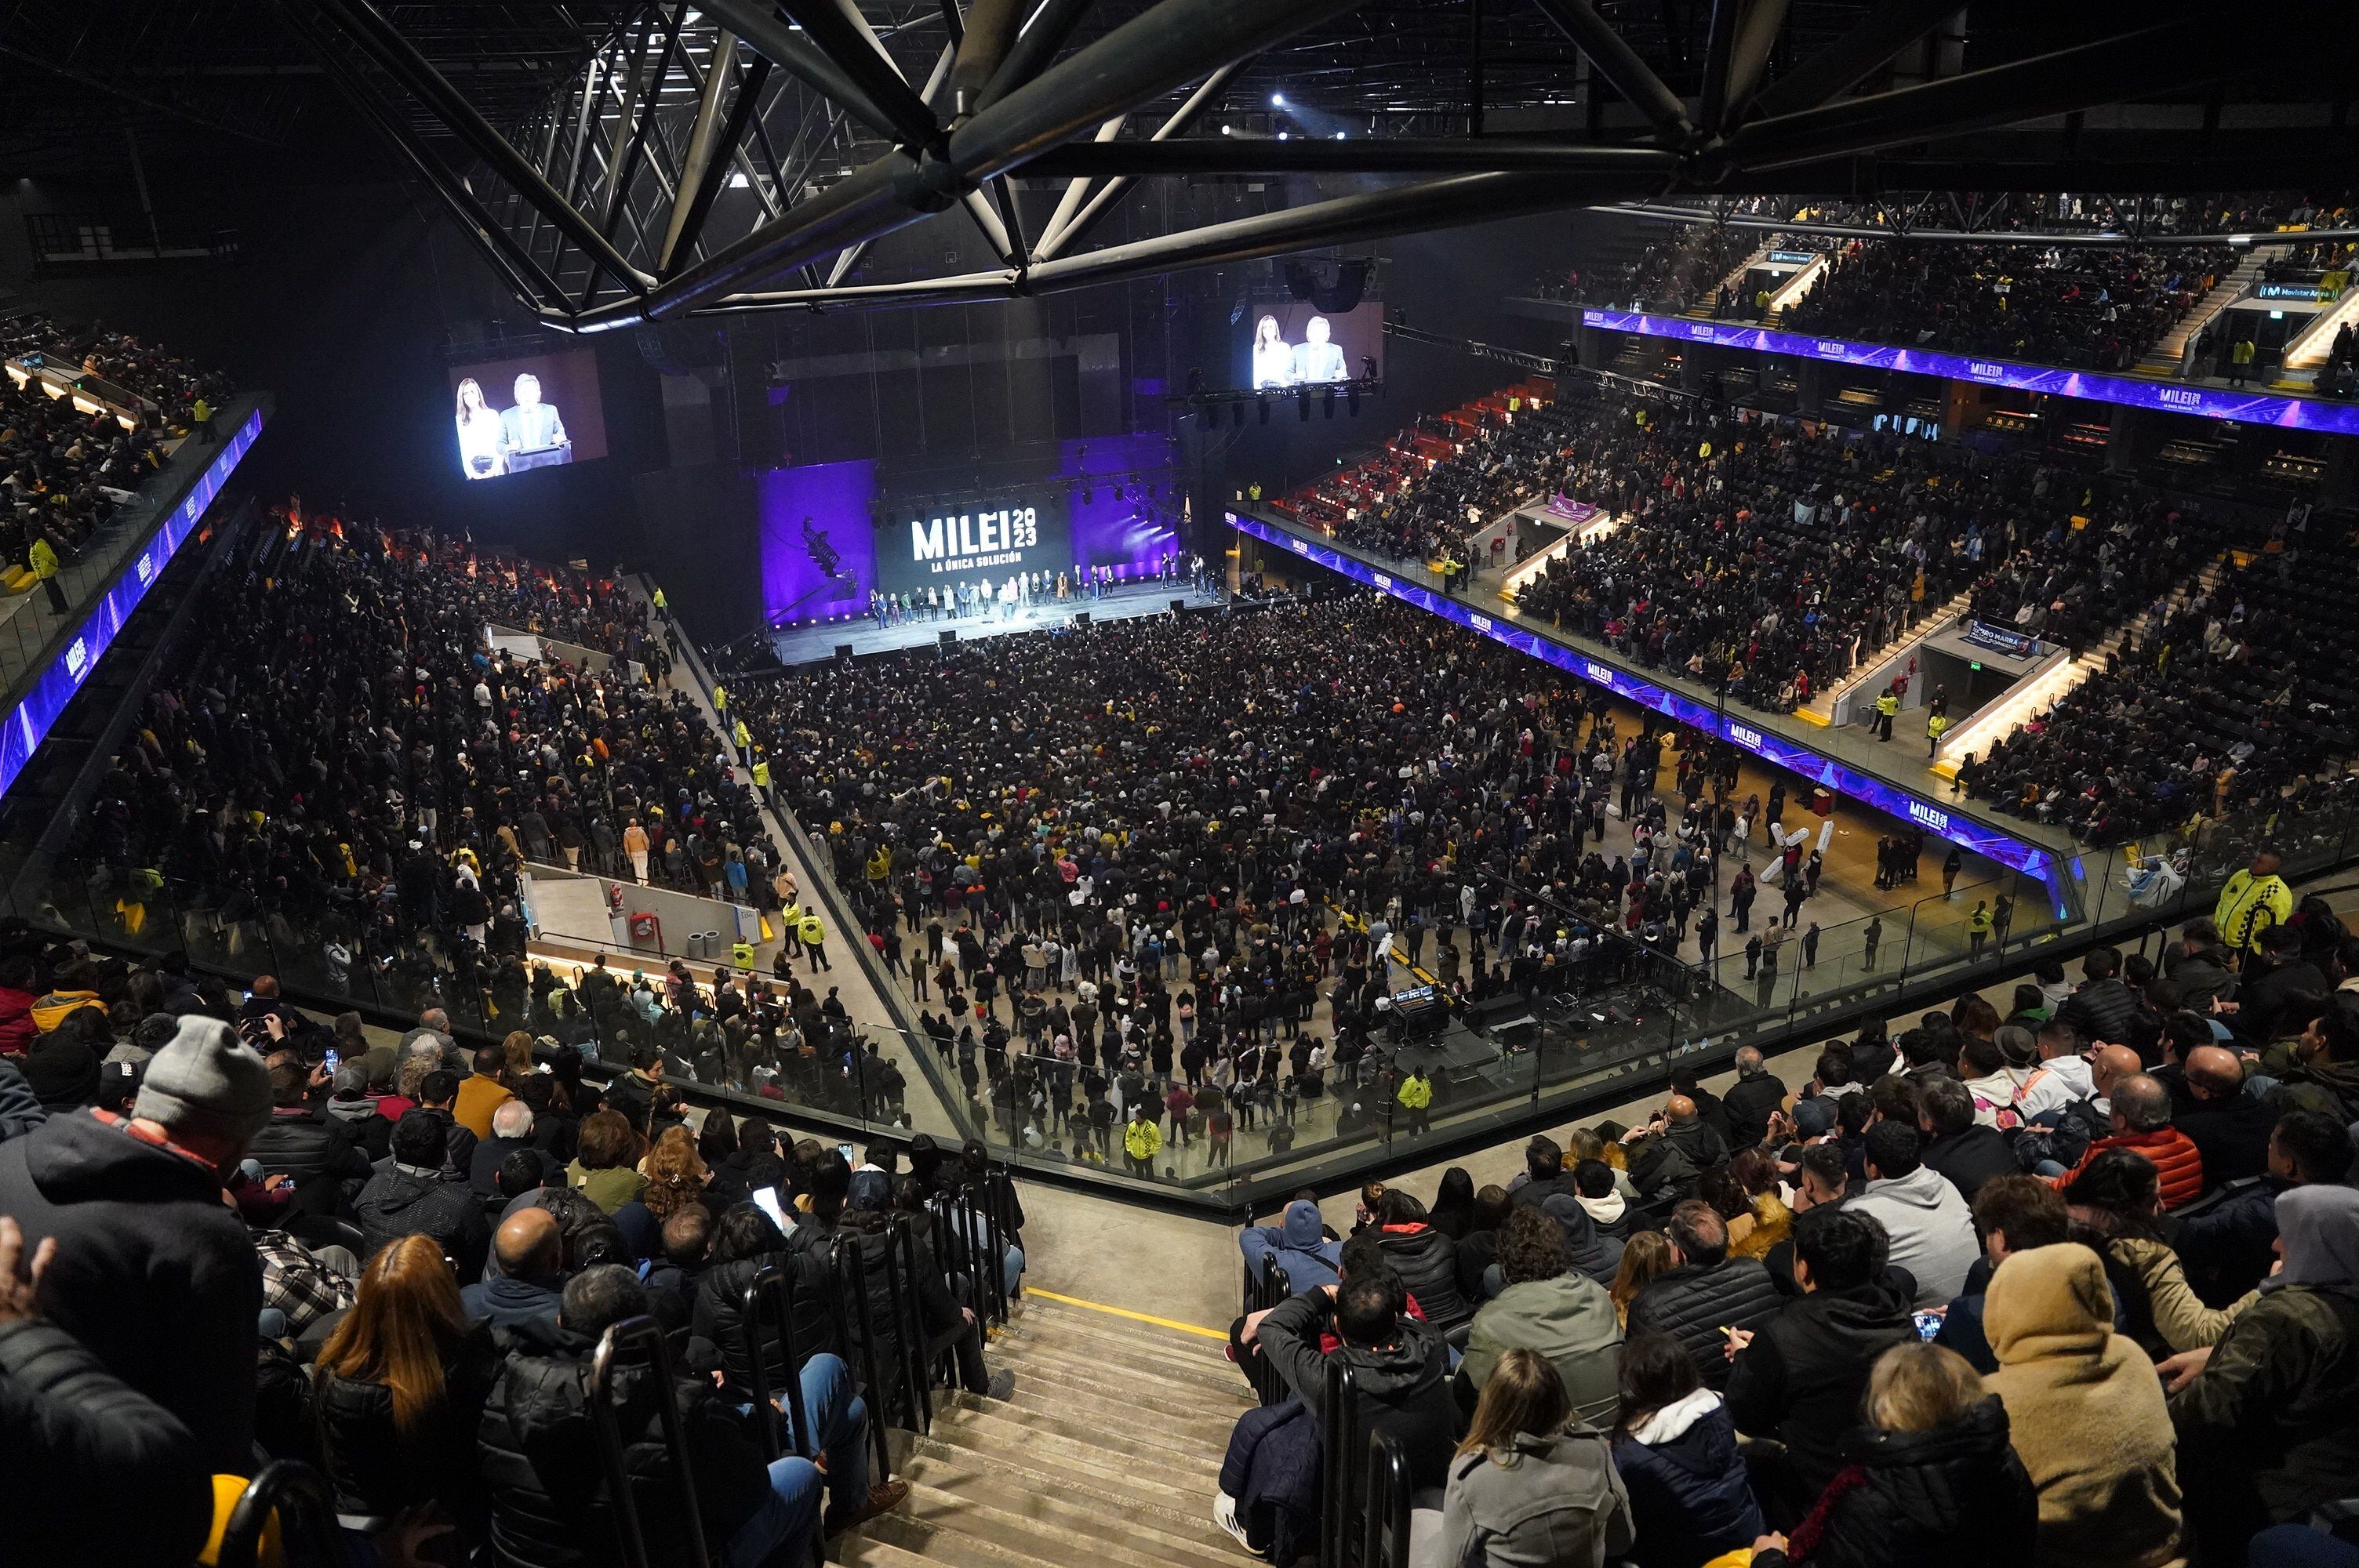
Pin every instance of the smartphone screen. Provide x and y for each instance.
(846, 1149)
(334, 1059)
(766, 1199)
(1928, 1324)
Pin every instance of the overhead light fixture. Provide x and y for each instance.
(1228, 130)
(1339, 136)
(1277, 100)
(1281, 135)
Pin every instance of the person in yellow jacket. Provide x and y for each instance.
(720, 699)
(1142, 1141)
(1416, 1097)
(662, 608)
(1978, 927)
(2255, 899)
(1935, 728)
(2240, 360)
(1887, 709)
(790, 927)
(42, 560)
(744, 739)
(813, 936)
(741, 955)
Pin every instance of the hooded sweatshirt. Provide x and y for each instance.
(1595, 1255)
(1571, 1321)
(1932, 1230)
(1299, 1245)
(1689, 1495)
(2085, 1412)
(1610, 1213)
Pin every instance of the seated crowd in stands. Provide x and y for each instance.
(64, 472)
(349, 753)
(254, 1237)
(2227, 702)
(1120, 905)
(2094, 307)
(2079, 1287)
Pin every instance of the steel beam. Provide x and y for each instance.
(1064, 239)
(1163, 48)
(375, 36)
(1372, 155)
(755, 22)
(1036, 45)
(839, 35)
(990, 30)
(711, 142)
(1757, 34)
(1891, 26)
(2135, 65)
(1720, 48)
(1619, 64)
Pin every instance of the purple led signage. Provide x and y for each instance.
(2033, 861)
(2208, 403)
(54, 688)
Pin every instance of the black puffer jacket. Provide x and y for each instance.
(1955, 1498)
(377, 1469)
(538, 1453)
(1802, 1379)
(309, 1147)
(398, 1201)
(2104, 1010)
(1692, 1304)
(719, 1313)
(1427, 1262)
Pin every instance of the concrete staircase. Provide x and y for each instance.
(1108, 1453)
(2166, 356)
(1820, 708)
(2033, 695)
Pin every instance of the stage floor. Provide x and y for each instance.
(807, 644)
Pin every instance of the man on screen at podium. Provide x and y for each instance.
(531, 433)
(1315, 358)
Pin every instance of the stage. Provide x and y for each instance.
(807, 644)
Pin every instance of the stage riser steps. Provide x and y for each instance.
(1107, 1455)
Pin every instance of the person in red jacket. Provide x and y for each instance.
(17, 1029)
(2141, 1108)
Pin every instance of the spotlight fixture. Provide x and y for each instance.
(1277, 100)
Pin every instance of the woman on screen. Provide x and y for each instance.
(1273, 358)
(479, 434)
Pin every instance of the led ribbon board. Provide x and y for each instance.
(55, 687)
(2205, 402)
(2033, 861)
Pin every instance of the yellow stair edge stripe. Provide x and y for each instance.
(1821, 719)
(1196, 1328)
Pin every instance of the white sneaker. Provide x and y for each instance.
(1224, 1514)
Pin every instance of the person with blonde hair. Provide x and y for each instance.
(1931, 1481)
(1529, 1483)
(401, 1388)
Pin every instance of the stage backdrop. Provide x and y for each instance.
(828, 543)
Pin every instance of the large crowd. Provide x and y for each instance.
(1103, 860)
(231, 1234)
(2231, 701)
(2094, 307)
(2076, 1286)
(66, 472)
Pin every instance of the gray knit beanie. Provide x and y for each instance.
(206, 1081)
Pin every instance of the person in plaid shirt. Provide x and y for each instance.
(304, 1284)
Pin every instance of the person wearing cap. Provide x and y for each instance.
(155, 1274)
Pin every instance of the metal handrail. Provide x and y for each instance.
(913, 1342)
(282, 1481)
(1338, 1454)
(773, 1285)
(1384, 1539)
(647, 1330)
(852, 1281)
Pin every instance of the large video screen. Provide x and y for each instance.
(1291, 343)
(997, 537)
(537, 412)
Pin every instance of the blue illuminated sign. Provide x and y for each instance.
(2210, 402)
(54, 688)
(2033, 861)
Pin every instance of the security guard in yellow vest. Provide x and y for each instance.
(790, 927)
(741, 953)
(762, 774)
(744, 739)
(1935, 728)
(2255, 899)
(813, 936)
(1142, 1140)
(1887, 709)
(1416, 1097)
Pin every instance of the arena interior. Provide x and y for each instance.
(1381, 783)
